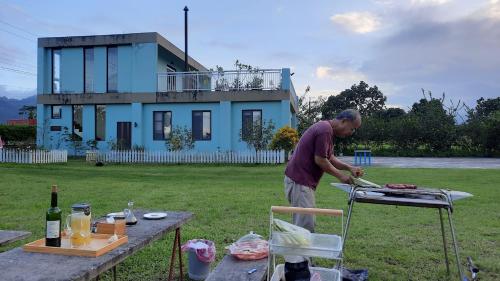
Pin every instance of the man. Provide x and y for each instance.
(312, 157)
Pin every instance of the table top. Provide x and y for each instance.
(17, 264)
(402, 201)
(9, 236)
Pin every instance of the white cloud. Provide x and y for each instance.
(359, 22)
(429, 2)
(339, 74)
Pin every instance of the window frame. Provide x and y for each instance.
(73, 120)
(52, 116)
(52, 70)
(192, 125)
(85, 70)
(95, 122)
(163, 125)
(243, 136)
(107, 68)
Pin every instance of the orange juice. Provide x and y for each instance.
(80, 229)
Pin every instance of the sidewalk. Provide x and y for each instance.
(429, 162)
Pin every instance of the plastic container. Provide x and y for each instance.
(197, 270)
(326, 274)
(322, 245)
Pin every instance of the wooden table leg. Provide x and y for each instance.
(114, 273)
(176, 246)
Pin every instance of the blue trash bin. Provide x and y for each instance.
(197, 270)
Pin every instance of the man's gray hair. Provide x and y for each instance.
(349, 114)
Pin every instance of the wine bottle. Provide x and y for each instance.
(53, 219)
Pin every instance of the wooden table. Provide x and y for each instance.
(17, 264)
(233, 269)
(9, 236)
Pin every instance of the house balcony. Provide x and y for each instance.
(262, 80)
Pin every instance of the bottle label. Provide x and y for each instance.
(53, 228)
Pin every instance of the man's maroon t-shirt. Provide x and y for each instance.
(317, 140)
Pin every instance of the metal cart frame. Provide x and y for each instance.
(308, 211)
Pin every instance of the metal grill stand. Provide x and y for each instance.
(424, 198)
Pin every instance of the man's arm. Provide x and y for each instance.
(327, 166)
(355, 171)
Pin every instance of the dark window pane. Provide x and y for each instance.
(89, 70)
(202, 125)
(100, 122)
(252, 120)
(112, 69)
(55, 128)
(56, 112)
(56, 71)
(162, 125)
(78, 122)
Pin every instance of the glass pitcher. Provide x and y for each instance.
(78, 224)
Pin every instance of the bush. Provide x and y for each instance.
(17, 133)
(286, 138)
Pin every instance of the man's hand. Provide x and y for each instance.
(356, 171)
(346, 179)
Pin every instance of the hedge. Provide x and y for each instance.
(16, 133)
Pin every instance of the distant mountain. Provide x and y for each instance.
(9, 108)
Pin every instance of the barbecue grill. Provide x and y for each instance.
(420, 197)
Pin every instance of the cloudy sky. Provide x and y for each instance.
(401, 46)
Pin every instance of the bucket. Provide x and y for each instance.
(197, 270)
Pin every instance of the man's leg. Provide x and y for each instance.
(301, 196)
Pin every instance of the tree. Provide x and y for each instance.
(286, 138)
(259, 135)
(484, 108)
(29, 110)
(181, 138)
(367, 100)
(309, 111)
(436, 125)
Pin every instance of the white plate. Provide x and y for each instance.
(155, 216)
(118, 215)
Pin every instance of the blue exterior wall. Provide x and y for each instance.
(270, 111)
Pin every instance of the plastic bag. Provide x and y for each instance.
(250, 247)
(205, 249)
(288, 234)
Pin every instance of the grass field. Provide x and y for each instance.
(394, 243)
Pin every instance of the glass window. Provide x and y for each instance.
(100, 122)
(202, 127)
(89, 69)
(252, 119)
(56, 71)
(56, 112)
(112, 69)
(162, 125)
(77, 122)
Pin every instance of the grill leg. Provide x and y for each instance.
(444, 242)
(455, 244)
(114, 273)
(349, 212)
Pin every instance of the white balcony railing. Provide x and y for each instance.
(264, 79)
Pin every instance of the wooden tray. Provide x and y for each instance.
(98, 246)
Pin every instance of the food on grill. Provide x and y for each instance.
(401, 186)
(364, 183)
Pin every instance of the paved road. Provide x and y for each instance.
(428, 162)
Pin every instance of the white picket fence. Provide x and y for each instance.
(175, 157)
(33, 156)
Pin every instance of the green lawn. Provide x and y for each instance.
(394, 243)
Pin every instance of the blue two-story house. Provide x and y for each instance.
(132, 91)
